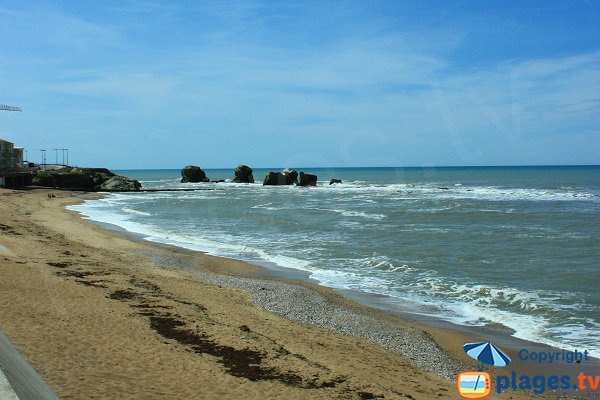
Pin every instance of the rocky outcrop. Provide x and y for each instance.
(291, 176)
(286, 177)
(243, 174)
(121, 184)
(193, 174)
(331, 182)
(83, 178)
(64, 180)
(307, 180)
(274, 178)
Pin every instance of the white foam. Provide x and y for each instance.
(362, 215)
(268, 206)
(284, 261)
(490, 193)
(132, 211)
(350, 213)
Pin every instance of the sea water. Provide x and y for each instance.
(493, 245)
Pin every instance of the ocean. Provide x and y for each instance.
(517, 247)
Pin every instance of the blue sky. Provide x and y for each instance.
(144, 84)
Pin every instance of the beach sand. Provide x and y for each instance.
(102, 315)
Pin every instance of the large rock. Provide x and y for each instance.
(193, 174)
(121, 184)
(291, 176)
(274, 178)
(307, 179)
(286, 177)
(334, 180)
(243, 174)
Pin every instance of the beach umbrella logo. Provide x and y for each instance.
(486, 353)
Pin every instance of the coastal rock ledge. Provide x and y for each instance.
(193, 174)
(85, 179)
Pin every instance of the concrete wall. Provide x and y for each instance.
(7, 156)
(18, 155)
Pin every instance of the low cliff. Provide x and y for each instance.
(96, 179)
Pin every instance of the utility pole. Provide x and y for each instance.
(56, 155)
(43, 158)
(67, 150)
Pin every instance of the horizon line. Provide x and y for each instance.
(381, 167)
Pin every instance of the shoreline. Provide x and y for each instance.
(388, 305)
(418, 262)
(449, 336)
(181, 271)
(252, 277)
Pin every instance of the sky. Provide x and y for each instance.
(161, 84)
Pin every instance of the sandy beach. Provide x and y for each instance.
(103, 315)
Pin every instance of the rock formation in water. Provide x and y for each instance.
(243, 174)
(193, 174)
(291, 176)
(307, 180)
(121, 184)
(286, 177)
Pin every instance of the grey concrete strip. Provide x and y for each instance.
(25, 381)
(6, 391)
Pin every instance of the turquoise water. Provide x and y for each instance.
(515, 246)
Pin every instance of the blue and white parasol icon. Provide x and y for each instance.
(487, 353)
